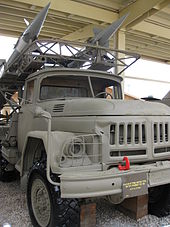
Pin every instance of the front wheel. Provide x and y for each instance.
(46, 207)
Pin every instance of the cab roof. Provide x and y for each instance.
(72, 71)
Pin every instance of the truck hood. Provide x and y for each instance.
(100, 107)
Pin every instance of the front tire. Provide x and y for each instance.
(45, 205)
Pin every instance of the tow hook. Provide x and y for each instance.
(127, 164)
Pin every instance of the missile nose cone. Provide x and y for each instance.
(33, 30)
(29, 35)
(42, 14)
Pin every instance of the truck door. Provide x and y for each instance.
(26, 114)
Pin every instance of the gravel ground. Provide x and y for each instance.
(13, 206)
(13, 210)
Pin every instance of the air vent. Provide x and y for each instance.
(58, 108)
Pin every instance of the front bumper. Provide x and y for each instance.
(133, 182)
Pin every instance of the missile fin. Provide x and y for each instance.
(26, 22)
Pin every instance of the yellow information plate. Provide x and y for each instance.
(135, 185)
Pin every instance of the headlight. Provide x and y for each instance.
(81, 150)
(75, 149)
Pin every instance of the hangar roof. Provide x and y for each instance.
(147, 27)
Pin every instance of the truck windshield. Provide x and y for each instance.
(78, 86)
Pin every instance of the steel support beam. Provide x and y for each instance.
(20, 24)
(109, 5)
(149, 13)
(49, 33)
(49, 23)
(22, 13)
(17, 33)
(120, 44)
(153, 29)
(138, 9)
(82, 33)
(75, 8)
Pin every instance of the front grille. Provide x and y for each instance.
(139, 139)
(127, 133)
(161, 134)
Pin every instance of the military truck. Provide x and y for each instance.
(69, 139)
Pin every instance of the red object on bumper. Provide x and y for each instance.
(127, 166)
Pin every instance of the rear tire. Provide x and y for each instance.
(45, 205)
(159, 201)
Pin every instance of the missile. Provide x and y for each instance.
(102, 36)
(28, 36)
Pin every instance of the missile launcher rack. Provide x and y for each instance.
(43, 54)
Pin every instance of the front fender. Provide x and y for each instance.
(53, 148)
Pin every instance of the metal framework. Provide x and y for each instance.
(146, 28)
(58, 53)
(42, 54)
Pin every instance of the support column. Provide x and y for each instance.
(120, 45)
